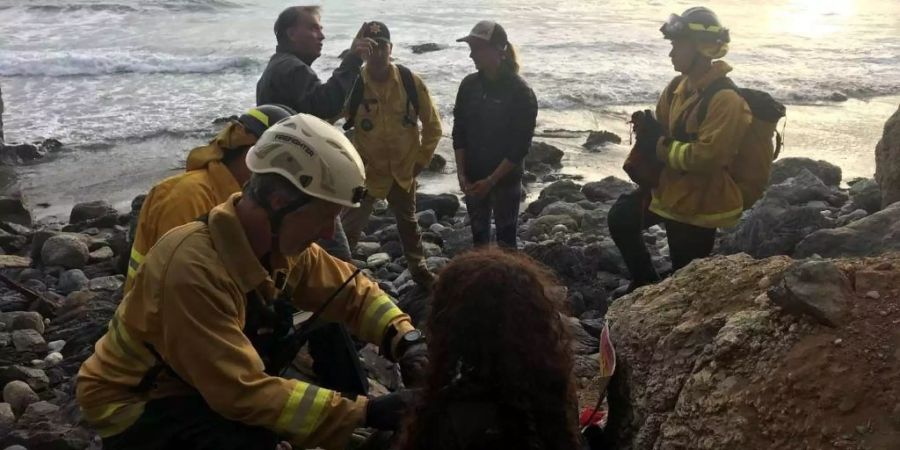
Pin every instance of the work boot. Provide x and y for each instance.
(622, 291)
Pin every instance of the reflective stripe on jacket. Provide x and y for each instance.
(695, 186)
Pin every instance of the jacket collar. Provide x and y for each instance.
(367, 79)
(231, 243)
(718, 69)
(285, 50)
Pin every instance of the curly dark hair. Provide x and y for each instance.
(494, 326)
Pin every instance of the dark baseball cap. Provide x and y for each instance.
(487, 31)
(377, 31)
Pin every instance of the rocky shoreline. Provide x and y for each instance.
(688, 346)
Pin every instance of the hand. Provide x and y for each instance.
(414, 365)
(283, 445)
(387, 411)
(480, 188)
(463, 183)
(362, 46)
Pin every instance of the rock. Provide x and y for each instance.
(53, 359)
(597, 139)
(7, 419)
(56, 346)
(103, 254)
(573, 210)
(543, 153)
(71, 281)
(544, 225)
(609, 188)
(785, 168)
(872, 235)
(772, 227)
(431, 250)
(35, 378)
(393, 248)
(110, 283)
(16, 154)
(887, 161)
(427, 48)
(426, 218)
(41, 427)
(367, 249)
(803, 188)
(12, 243)
(29, 341)
(815, 288)
(436, 228)
(437, 164)
(566, 190)
(457, 240)
(83, 212)
(48, 304)
(24, 320)
(838, 97)
(13, 210)
(13, 261)
(19, 395)
(377, 260)
(444, 205)
(65, 250)
(436, 263)
(865, 194)
(850, 218)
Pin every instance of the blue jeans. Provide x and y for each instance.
(502, 202)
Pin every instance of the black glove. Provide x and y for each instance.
(414, 364)
(648, 130)
(386, 412)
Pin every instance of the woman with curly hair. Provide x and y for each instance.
(501, 364)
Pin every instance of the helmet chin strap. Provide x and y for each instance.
(276, 217)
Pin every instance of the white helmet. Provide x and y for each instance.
(314, 156)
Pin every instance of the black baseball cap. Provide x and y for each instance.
(377, 31)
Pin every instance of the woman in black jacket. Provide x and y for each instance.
(494, 120)
(500, 374)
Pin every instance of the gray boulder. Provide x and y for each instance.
(772, 227)
(7, 420)
(572, 210)
(609, 188)
(785, 168)
(12, 209)
(35, 378)
(597, 139)
(566, 190)
(19, 395)
(872, 235)
(83, 212)
(444, 205)
(427, 48)
(887, 161)
(29, 341)
(865, 194)
(426, 218)
(108, 283)
(65, 250)
(544, 225)
(437, 164)
(544, 153)
(72, 280)
(803, 188)
(815, 288)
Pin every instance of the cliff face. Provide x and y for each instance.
(733, 352)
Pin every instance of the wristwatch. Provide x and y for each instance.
(407, 340)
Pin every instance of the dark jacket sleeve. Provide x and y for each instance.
(459, 116)
(307, 94)
(523, 115)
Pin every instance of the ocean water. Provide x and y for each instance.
(130, 86)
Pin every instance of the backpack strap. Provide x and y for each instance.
(412, 94)
(353, 101)
(719, 85)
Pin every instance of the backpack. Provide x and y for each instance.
(752, 164)
(412, 98)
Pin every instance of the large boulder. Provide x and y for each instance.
(542, 152)
(871, 235)
(815, 288)
(66, 250)
(772, 227)
(427, 48)
(866, 195)
(567, 190)
(12, 209)
(785, 168)
(706, 361)
(19, 395)
(803, 188)
(444, 205)
(597, 139)
(887, 161)
(609, 188)
(83, 212)
(544, 225)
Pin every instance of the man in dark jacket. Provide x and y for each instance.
(289, 79)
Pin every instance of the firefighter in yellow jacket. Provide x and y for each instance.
(183, 364)
(213, 172)
(391, 144)
(695, 193)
